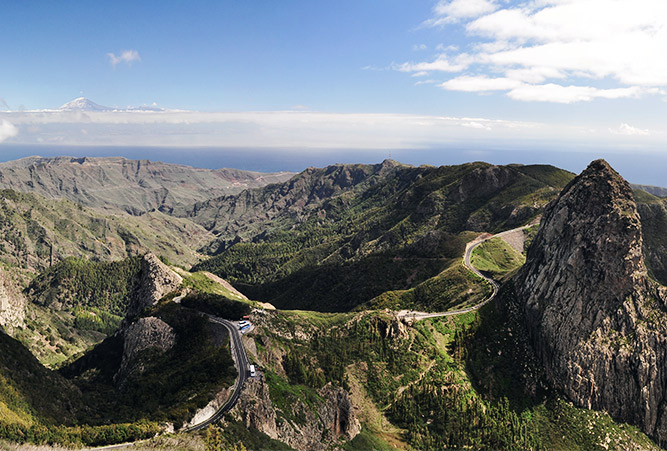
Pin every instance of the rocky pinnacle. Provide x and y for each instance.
(596, 321)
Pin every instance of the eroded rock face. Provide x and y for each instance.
(333, 419)
(143, 334)
(597, 323)
(12, 303)
(338, 413)
(155, 281)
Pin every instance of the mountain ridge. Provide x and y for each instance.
(133, 186)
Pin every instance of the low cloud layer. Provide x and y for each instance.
(563, 51)
(291, 129)
(7, 130)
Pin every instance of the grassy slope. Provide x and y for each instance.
(392, 235)
(497, 258)
(74, 305)
(446, 382)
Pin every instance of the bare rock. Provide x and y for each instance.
(337, 413)
(12, 303)
(302, 427)
(155, 281)
(144, 334)
(597, 322)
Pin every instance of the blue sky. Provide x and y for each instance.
(569, 76)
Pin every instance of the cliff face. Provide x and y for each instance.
(320, 426)
(597, 323)
(155, 281)
(145, 333)
(12, 303)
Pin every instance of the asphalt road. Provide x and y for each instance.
(470, 247)
(242, 365)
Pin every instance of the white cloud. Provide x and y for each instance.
(305, 130)
(449, 11)
(590, 48)
(285, 129)
(569, 94)
(481, 83)
(441, 64)
(477, 125)
(629, 130)
(126, 56)
(7, 130)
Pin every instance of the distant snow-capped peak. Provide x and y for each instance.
(83, 104)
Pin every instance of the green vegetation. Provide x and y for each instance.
(34, 229)
(39, 406)
(77, 436)
(76, 282)
(235, 436)
(454, 288)
(367, 440)
(202, 283)
(171, 386)
(216, 304)
(389, 231)
(451, 382)
(497, 258)
(53, 337)
(96, 320)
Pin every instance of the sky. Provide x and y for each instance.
(430, 81)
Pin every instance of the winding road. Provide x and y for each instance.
(470, 247)
(241, 363)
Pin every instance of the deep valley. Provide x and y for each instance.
(366, 328)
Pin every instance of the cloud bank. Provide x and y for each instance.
(562, 51)
(298, 129)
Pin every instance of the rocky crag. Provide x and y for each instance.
(155, 280)
(322, 425)
(597, 322)
(145, 334)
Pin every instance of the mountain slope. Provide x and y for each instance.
(653, 213)
(333, 238)
(597, 323)
(658, 191)
(134, 186)
(34, 229)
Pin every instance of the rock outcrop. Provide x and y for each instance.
(597, 323)
(155, 281)
(337, 412)
(144, 334)
(12, 303)
(312, 428)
